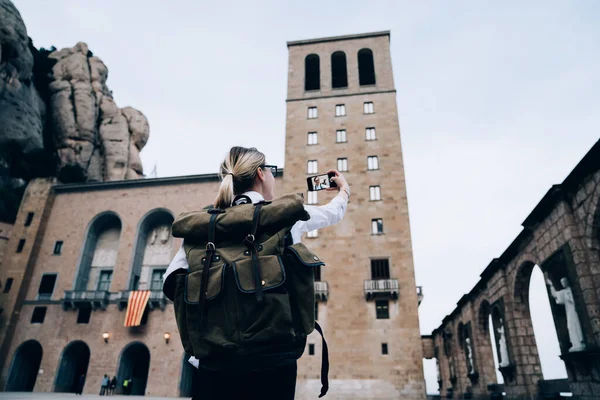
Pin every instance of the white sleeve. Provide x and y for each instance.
(179, 262)
(320, 217)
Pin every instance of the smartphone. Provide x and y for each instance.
(320, 182)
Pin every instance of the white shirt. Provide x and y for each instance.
(320, 217)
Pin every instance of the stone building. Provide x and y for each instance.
(77, 250)
(562, 237)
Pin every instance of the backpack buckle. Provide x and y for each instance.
(210, 246)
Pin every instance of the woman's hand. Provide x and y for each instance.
(340, 182)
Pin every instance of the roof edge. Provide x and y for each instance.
(337, 38)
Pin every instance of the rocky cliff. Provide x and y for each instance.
(58, 117)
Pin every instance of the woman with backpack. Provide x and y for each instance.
(246, 179)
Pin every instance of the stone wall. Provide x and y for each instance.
(561, 236)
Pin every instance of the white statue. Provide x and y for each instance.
(437, 369)
(451, 367)
(470, 356)
(565, 297)
(504, 360)
(165, 234)
(153, 236)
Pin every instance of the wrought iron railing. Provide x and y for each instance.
(93, 298)
(321, 290)
(382, 288)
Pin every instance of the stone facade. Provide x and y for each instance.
(562, 237)
(89, 218)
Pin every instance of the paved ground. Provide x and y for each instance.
(69, 396)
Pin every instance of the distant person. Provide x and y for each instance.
(80, 384)
(104, 387)
(125, 384)
(113, 385)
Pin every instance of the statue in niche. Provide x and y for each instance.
(565, 297)
(451, 368)
(504, 360)
(153, 236)
(470, 356)
(437, 370)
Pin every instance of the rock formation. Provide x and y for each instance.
(58, 117)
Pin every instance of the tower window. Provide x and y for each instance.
(316, 310)
(312, 138)
(380, 269)
(384, 348)
(312, 198)
(38, 316)
(46, 286)
(342, 164)
(370, 134)
(8, 285)
(20, 245)
(377, 226)
(366, 67)
(312, 167)
(368, 107)
(29, 219)
(374, 193)
(340, 136)
(58, 247)
(311, 349)
(382, 309)
(372, 162)
(339, 73)
(340, 110)
(312, 113)
(317, 271)
(313, 234)
(312, 72)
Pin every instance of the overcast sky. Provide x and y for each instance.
(496, 102)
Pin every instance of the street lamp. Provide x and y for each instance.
(167, 337)
(105, 336)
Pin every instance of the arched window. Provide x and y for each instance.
(366, 67)
(312, 72)
(339, 72)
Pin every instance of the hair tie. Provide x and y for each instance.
(229, 173)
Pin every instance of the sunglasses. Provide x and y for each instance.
(273, 169)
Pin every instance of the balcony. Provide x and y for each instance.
(420, 294)
(94, 299)
(157, 300)
(382, 288)
(321, 291)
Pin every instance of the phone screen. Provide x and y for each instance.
(319, 182)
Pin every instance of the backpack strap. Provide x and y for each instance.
(210, 252)
(250, 242)
(324, 362)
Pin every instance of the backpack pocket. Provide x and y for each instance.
(300, 263)
(270, 321)
(194, 281)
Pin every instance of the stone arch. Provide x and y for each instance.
(312, 72)
(366, 67)
(339, 70)
(134, 363)
(154, 229)
(73, 362)
(187, 381)
(99, 250)
(24, 367)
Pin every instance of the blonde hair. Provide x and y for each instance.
(237, 173)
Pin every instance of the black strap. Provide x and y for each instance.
(250, 241)
(210, 251)
(324, 363)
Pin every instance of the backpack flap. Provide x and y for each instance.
(272, 273)
(193, 282)
(305, 256)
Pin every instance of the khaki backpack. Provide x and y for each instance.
(248, 290)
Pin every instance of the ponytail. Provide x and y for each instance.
(237, 173)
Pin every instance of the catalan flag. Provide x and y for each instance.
(136, 305)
